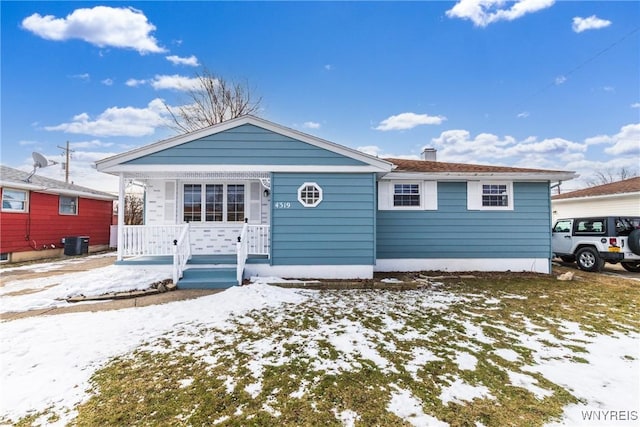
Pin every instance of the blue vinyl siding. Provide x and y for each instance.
(455, 232)
(339, 231)
(246, 145)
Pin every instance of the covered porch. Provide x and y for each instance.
(198, 220)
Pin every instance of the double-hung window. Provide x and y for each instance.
(406, 195)
(68, 205)
(490, 195)
(495, 195)
(213, 203)
(14, 200)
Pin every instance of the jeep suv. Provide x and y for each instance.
(595, 240)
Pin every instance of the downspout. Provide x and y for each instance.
(121, 208)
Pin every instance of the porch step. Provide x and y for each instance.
(212, 259)
(208, 278)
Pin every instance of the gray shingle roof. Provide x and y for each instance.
(15, 178)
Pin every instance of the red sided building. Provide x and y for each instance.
(37, 217)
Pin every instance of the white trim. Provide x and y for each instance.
(474, 196)
(428, 192)
(376, 163)
(320, 196)
(121, 208)
(537, 265)
(551, 176)
(430, 195)
(174, 169)
(310, 271)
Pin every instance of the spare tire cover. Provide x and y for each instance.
(634, 241)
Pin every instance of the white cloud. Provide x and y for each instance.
(117, 121)
(24, 143)
(101, 26)
(311, 125)
(328, 67)
(408, 121)
(591, 23)
(175, 82)
(560, 80)
(485, 12)
(626, 142)
(372, 150)
(635, 105)
(87, 144)
(107, 82)
(460, 146)
(523, 115)
(135, 82)
(84, 76)
(191, 61)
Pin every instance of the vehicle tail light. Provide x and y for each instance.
(613, 241)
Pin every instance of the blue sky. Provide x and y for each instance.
(532, 83)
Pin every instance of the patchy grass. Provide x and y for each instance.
(463, 350)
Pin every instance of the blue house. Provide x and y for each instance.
(250, 197)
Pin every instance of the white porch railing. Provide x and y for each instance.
(253, 240)
(181, 253)
(258, 239)
(149, 240)
(243, 253)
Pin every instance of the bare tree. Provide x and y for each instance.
(212, 101)
(133, 209)
(611, 175)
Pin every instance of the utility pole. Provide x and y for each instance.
(67, 151)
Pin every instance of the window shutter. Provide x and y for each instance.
(170, 202)
(430, 195)
(385, 195)
(255, 202)
(474, 195)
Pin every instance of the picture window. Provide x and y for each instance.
(222, 203)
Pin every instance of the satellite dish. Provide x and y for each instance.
(39, 161)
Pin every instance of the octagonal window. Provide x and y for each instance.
(310, 194)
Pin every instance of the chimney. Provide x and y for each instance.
(429, 154)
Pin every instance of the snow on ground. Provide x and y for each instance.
(52, 291)
(42, 267)
(47, 360)
(409, 408)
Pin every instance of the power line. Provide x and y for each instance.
(583, 64)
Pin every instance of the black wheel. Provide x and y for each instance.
(631, 266)
(634, 241)
(589, 260)
(568, 258)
